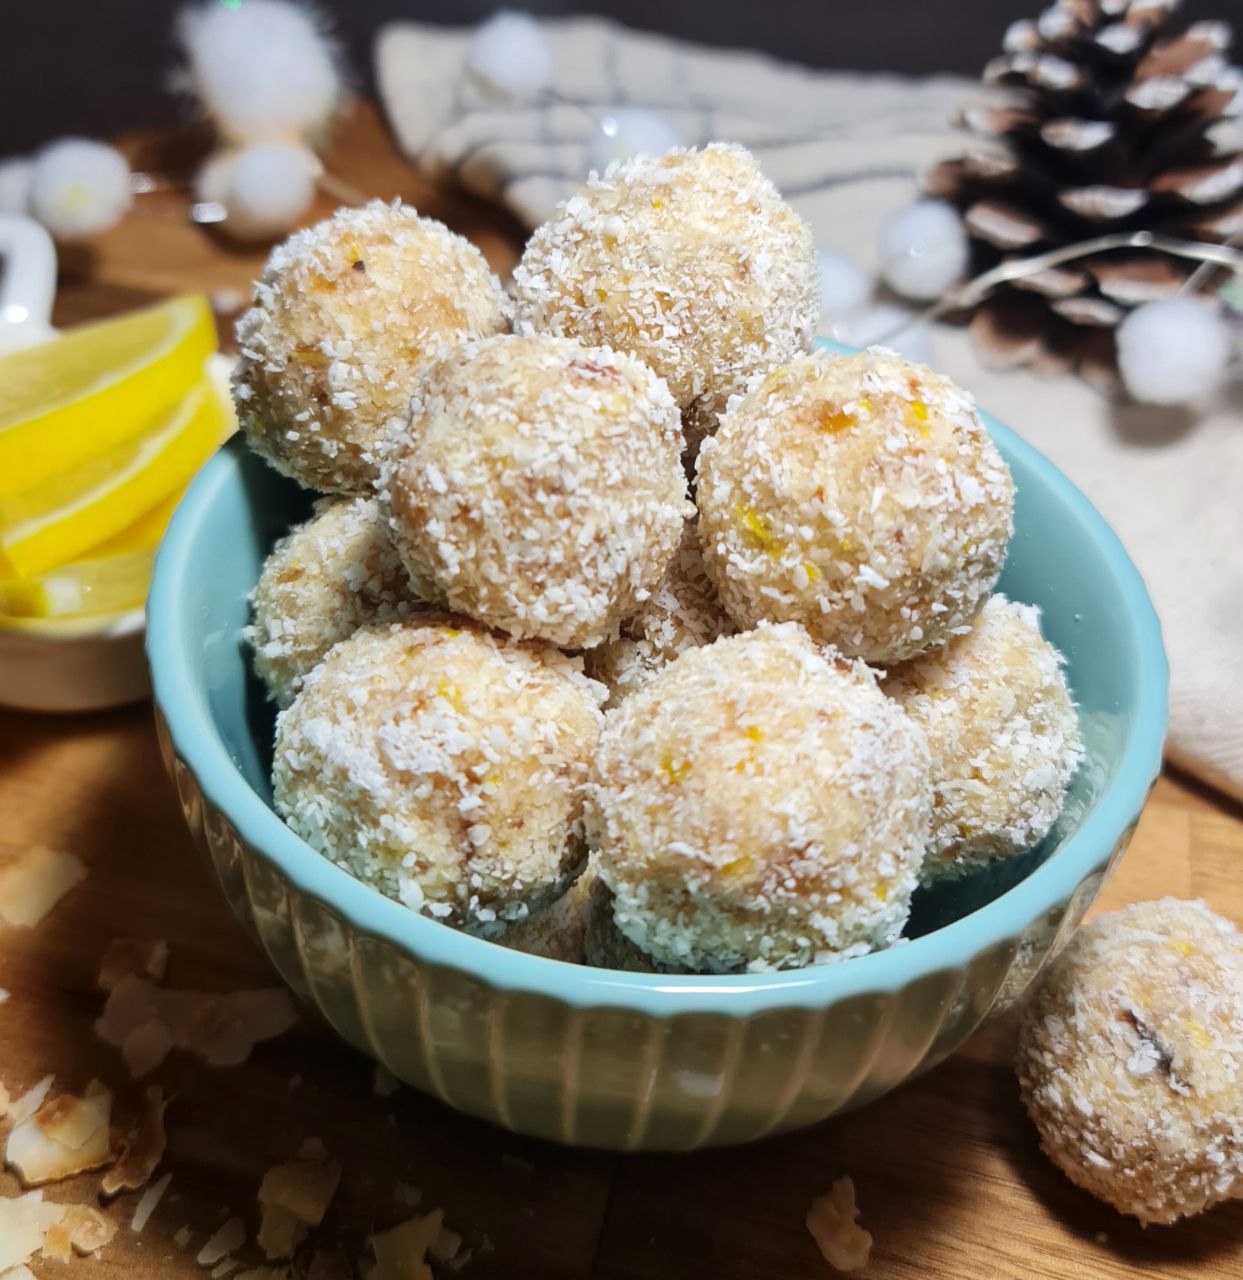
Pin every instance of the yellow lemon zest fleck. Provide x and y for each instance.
(1183, 948)
(658, 204)
(755, 733)
(450, 631)
(867, 406)
(450, 693)
(776, 375)
(737, 866)
(355, 251)
(845, 544)
(675, 772)
(917, 418)
(759, 529)
(813, 574)
(882, 890)
(1200, 1037)
(602, 294)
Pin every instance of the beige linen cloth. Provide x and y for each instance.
(846, 149)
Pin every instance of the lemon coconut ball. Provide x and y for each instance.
(344, 315)
(1002, 732)
(539, 489)
(443, 765)
(760, 804)
(321, 582)
(1130, 1060)
(681, 614)
(859, 495)
(690, 261)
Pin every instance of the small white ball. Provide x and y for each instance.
(15, 179)
(893, 327)
(1175, 350)
(923, 249)
(79, 188)
(262, 70)
(626, 132)
(509, 54)
(265, 190)
(844, 286)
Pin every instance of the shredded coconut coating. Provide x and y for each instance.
(1130, 1060)
(681, 614)
(344, 315)
(859, 495)
(691, 261)
(323, 580)
(443, 765)
(759, 805)
(1003, 734)
(539, 489)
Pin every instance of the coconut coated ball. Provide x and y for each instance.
(859, 495)
(1002, 732)
(539, 488)
(345, 314)
(442, 765)
(681, 614)
(760, 804)
(691, 261)
(1130, 1060)
(322, 581)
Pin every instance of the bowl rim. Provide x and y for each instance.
(197, 743)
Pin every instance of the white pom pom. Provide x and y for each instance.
(844, 286)
(923, 249)
(264, 190)
(1174, 351)
(263, 70)
(79, 188)
(630, 131)
(893, 327)
(509, 54)
(15, 178)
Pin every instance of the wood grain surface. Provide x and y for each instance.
(949, 1177)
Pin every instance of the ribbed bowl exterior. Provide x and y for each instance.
(603, 1076)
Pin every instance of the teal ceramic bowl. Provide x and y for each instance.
(636, 1061)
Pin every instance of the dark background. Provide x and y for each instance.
(96, 67)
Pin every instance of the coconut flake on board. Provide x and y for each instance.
(34, 882)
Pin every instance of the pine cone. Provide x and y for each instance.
(1105, 120)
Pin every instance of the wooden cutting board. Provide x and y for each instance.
(949, 1177)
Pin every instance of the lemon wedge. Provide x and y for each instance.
(73, 398)
(59, 519)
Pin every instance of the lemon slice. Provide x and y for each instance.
(71, 399)
(61, 518)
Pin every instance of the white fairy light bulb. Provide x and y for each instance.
(844, 286)
(263, 69)
(15, 179)
(626, 132)
(923, 250)
(79, 188)
(263, 191)
(1174, 350)
(509, 55)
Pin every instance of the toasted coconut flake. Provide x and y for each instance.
(228, 1237)
(33, 883)
(57, 1245)
(223, 1267)
(137, 957)
(401, 1254)
(145, 1021)
(142, 1149)
(24, 1222)
(66, 1136)
(280, 1232)
(329, 1266)
(88, 1229)
(303, 1188)
(30, 1101)
(146, 1205)
(831, 1221)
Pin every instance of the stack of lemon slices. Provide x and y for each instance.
(100, 431)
